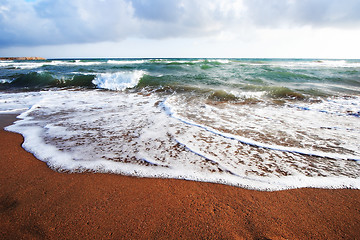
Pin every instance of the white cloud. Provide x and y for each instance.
(227, 27)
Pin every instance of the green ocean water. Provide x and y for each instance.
(266, 124)
(223, 79)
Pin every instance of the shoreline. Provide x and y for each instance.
(37, 202)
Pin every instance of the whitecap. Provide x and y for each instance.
(124, 62)
(118, 80)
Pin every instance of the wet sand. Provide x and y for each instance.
(39, 203)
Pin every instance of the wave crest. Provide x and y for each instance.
(118, 81)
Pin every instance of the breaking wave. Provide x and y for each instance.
(119, 80)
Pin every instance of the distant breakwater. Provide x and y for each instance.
(21, 58)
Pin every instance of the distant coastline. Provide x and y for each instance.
(21, 58)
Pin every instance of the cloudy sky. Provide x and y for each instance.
(180, 28)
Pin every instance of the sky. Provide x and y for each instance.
(180, 28)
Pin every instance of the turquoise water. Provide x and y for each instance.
(292, 78)
(265, 124)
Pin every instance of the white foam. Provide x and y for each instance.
(264, 145)
(39, 64)
(2, 81)
(178, 61)
(337, 63)
(23, 65)
(18, 102)
(248, 94)
(224, 61)
(13, 111)
(125, 62)
(119, 80)
(277, 128)
(335, 106)
(71, 63)
(316, 64)
(131, 134)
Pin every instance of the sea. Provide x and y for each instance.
(263, 124)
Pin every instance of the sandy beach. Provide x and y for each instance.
(39, 203)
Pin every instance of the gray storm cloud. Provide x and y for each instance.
(47, 22)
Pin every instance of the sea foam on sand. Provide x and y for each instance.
(152, 136)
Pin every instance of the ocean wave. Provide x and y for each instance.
(21, 65)
(34, 80)
(190, 61)
(2, 81)
(119, 80)
(257, 123)
(72, 63)
(38, 64)
(43, 79)
(316, 64)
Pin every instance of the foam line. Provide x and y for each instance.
(207, 159)
(154, 163)
(327, 112)
(259, 144)
(225, 169)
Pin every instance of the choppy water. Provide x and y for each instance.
(264, 124)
